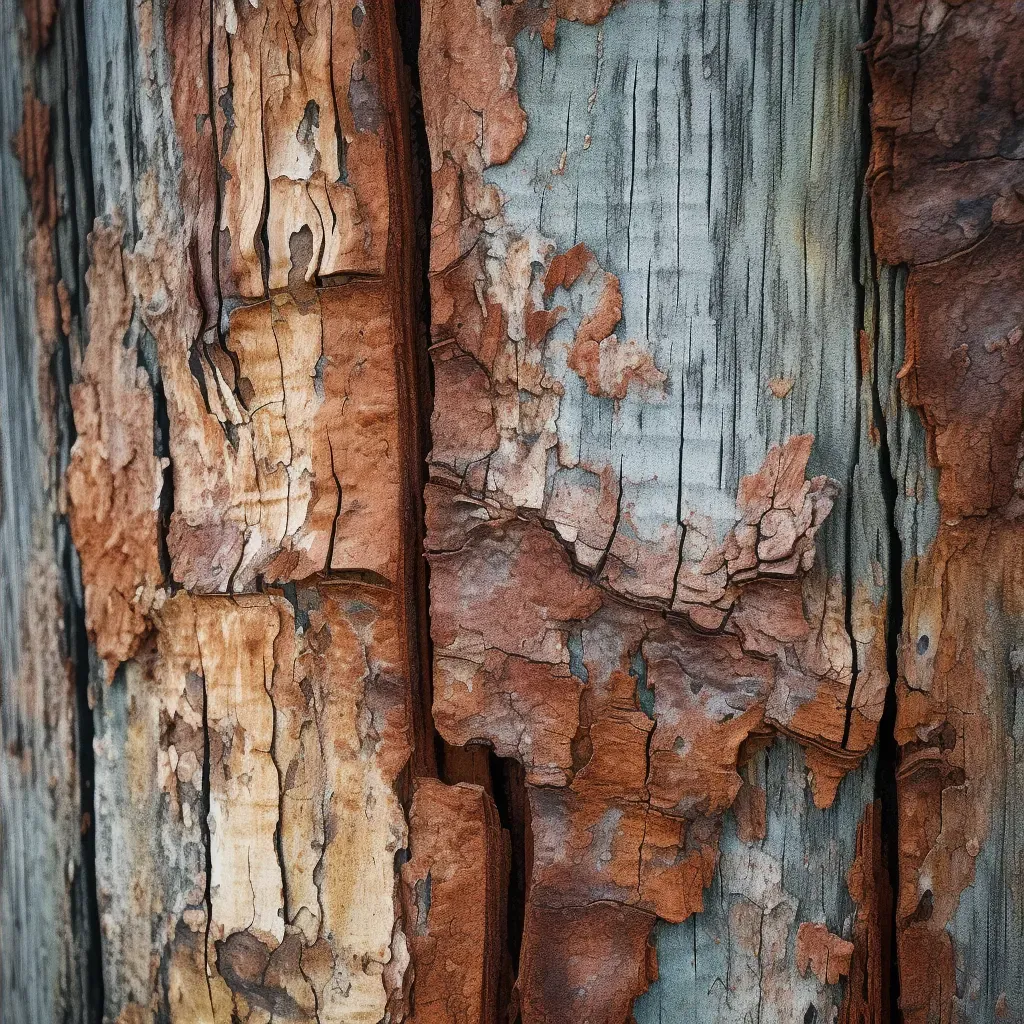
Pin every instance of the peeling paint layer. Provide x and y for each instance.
(945, 183)
(275, 733)
(114, 480)
(615, 603)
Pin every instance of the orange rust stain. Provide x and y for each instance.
(565, 268)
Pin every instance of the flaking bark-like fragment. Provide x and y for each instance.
(945, 127)
(953, 755)
(268, 258)
(825, 955)
(306, 725)
(626, 797)
(298, 124)
(607, 365)
(622, 650)
(601, 967)
(40, 16)
(296, 467)
(114, 480)
(868, 995)
(281, 374)
(454, 890)
(31, 145)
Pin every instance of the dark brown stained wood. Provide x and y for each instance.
(945, 187)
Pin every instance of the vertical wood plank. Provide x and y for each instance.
(945, 177)
(646, 283)
(48, 969)
(259, 620)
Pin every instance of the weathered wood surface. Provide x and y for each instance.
(945, 178)
(721, 516)
(250, 577)
(646, 302)
(47, 927)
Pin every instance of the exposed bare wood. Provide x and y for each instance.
(271, 726)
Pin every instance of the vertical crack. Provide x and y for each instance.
(204, 823)
(419, 398)
(512, 799)
(887, 763)
(71, 259)
(888, 748)
(84, 886)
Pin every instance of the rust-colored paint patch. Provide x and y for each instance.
(607, 365)
(825, 955)
(867, 998)
(780, 387)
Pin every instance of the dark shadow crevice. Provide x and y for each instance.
(888, 752)
(66, 64)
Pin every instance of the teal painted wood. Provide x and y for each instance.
(736, 961)
(713, 160)
(711, 155)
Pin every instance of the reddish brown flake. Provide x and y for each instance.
(600, 969)
(32, 148)
(454, 888)
(946, 182)
(114, 480)
(826, 955)
(750, 808)
(607, 365)
(39, 18)
(867, 993)
(565, 268)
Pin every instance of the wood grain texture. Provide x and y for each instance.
(47, 930)
(454, 893)
(251, 313)
(261, 867)
(715, 718)
(645, 544)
